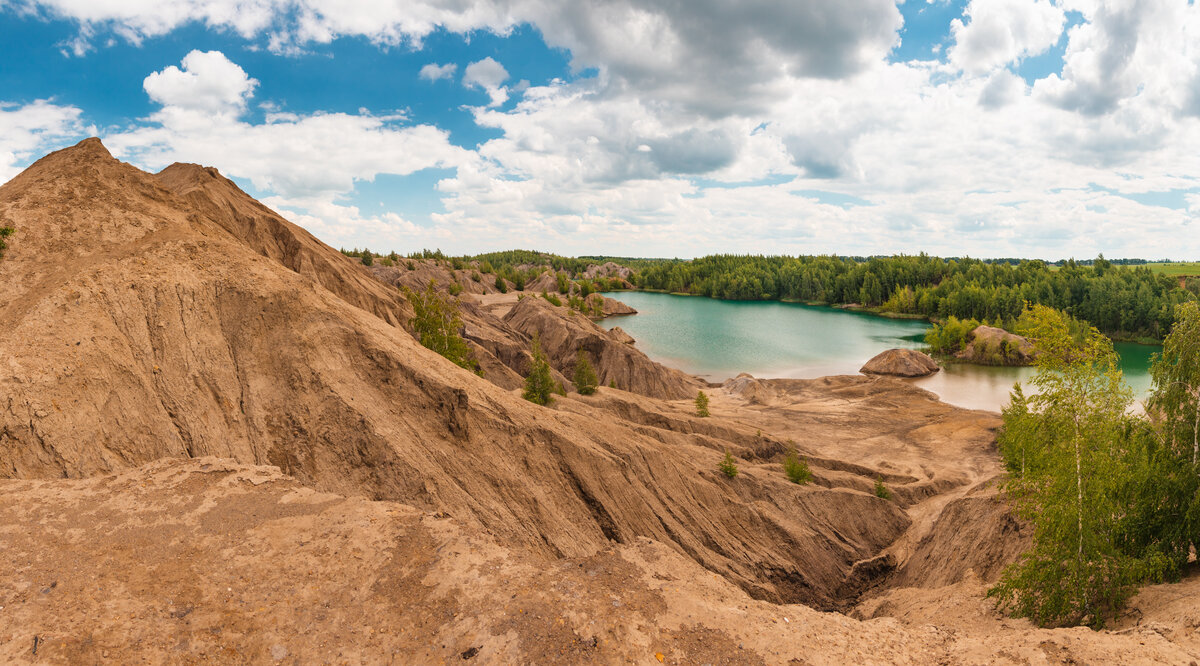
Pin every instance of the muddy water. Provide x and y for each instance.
(719, 339)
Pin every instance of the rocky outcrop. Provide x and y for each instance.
(564, 332)
(901, 363)
(612, 307)
(987, 345)
(608, 270)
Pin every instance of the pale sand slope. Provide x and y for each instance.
(208, 561)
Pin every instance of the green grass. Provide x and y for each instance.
(1177, 268)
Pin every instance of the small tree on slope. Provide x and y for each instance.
(585, 376)
(539, 384)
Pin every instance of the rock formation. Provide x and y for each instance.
(987, 345)
(901, 363)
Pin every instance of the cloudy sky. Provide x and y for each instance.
(1036, 128)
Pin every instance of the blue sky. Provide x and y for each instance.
(1041, 128)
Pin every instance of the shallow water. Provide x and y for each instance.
(719, 339)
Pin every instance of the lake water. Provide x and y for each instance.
(719, 339)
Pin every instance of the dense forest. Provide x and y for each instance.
(1124, 301)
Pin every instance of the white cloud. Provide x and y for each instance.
(27, 131)
(489, 76)
(999, 32)
(434, 72)
(715, 126)
(208, 82)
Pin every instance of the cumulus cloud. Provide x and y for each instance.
(489, 76)
(717, 56)
(999, 32)
(207, 82)
(435, 72)
(781, 105)
(306, 163)
(28, 130)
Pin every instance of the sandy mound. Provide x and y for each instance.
(901, 363)
(612, 307)
(564, 332)
(608, 269)
(139, 327)
(988, 345)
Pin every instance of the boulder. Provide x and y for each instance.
(901, 363)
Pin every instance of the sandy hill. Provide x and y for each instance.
(163, 337)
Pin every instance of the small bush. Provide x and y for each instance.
(728, 467)
(411, 266)
(500, 284)
(455, 289)
(539, 384)
(5, 232)
(797, 470)
(553, 299)
(476, 276)
(881, 491)
(585, 376)
(702, 404)
(367, 259)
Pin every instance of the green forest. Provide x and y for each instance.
(1129, 302)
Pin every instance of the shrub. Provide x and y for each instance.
(553, 299)
(455, 289)
(585, 376)
(411, 266)
(728, 467)
(476, 276)
(564, 285)
(797, 470)
(881, 491)
(5, 232)
(501, 285)
(539, 384)
(702, 404)
(367, 259)
(436, 321)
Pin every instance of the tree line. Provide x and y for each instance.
(1122, 301)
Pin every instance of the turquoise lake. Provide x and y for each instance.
(719, 339)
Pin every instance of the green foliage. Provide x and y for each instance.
(368, 258)
(501, 285)
(612, 383)
(585, 377)
(553, 299)
(881, 491)
(412, 266)
(564, 284)
(950, 336)
(436, 321)
(455, 289)
(1176, 376)
(476, 276)
(797, 470)
(702, 404)
(539, 384)
(1078, 464)
(1127, 300)
(486, 268)
(728, 466)
(5, 232)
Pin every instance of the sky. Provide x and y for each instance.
(644, 128)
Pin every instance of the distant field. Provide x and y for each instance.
(1177, 269)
